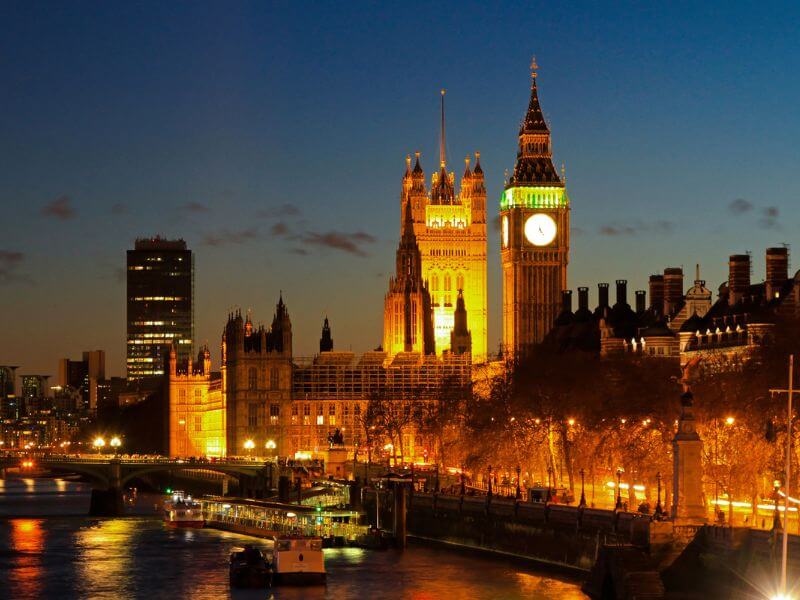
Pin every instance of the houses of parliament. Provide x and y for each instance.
(435, 318)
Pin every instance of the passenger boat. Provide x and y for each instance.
(181, 511)
(249, 569)
(298, 560)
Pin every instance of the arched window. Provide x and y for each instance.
(198, 396)
(459, 281)
(447, 282)
(252, 378)
(434, 283)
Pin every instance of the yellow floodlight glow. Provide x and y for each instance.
(249, 445)
(270, 445)
(98, 442)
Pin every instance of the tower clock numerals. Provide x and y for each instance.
(540, 229)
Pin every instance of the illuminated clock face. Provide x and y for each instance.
(504, 228)
(540, 229)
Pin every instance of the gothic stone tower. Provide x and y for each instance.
(407, 315)
(451, 232)
(256, 380)
(534, 231)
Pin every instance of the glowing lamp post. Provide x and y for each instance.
(582, 503)
(99, 443)
(659, 509)
(115, 443)
(271, 446)
(618, 505)
(249, 445)
(776, 519)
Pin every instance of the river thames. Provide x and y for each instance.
(50, 549)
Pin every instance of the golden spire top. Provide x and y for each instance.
(534, 67)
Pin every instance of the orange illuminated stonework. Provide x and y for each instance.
(450, 229)
(196, 408)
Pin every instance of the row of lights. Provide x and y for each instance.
(100, 443)
(250, 444)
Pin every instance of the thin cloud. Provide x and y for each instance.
(279, 229)
(226, 237)
(194, 207)
(299, 251)
(660, 226)
(60, 208)
(346, 242)
(740, 206)
(119, 209)
(277, 212)
(769, 219)
(616, 230)
(10, 261)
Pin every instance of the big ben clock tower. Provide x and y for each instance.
(534, 236)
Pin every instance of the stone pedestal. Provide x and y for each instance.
(687, 448)
(335, 462)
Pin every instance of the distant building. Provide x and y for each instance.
(35, 387)
(108, 392)
(8, 381)
(9, 403)
(160, 278)
(83, 376)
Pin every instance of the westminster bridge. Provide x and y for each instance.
(109, 475)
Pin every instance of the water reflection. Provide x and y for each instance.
(104, 557)
(139, 558)
(26, 542)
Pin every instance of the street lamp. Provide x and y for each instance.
(550, 475)
(489, 488)
(659, 509)
(582, 503)
(99, 443)
(115, 443)
(270, 445)
(776, 518)
(249, 445)
(618, 505)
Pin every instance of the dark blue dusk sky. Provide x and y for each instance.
(266, 135)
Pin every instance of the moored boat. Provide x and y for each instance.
(181, 511)
(298, 560)
(248, 568)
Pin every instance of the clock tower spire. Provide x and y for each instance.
(534, 220)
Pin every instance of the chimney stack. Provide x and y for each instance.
(566, 301)
(641, 301)
(673, 289)
(583, 298)
(622, 292)
(602, 295)
(777, 271)
(738, 277)
(657, 293)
